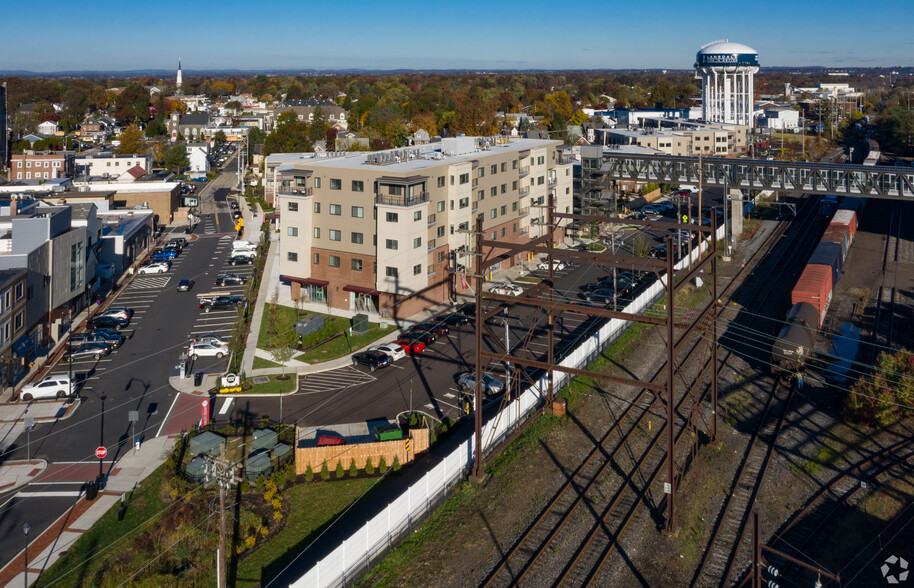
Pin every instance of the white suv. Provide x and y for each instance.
(50, 386)
(208, 349)
(157, 267)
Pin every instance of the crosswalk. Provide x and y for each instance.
(344, 377)
(149, 282)
(209, 224)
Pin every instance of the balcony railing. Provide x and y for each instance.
(432, 245)
(402, 200)
(288, 191)
(525, 170)
(523, 211)
(523, 232)
(523, 190)
(567, 160)
(551, 182)
(431, 220)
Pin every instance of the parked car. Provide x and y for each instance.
(432, 327)
(491, 386)
(111, 338)
(158, 267)
(118, 311)
(239, 260)
(507, 289)
(602, 295)
(410, 346)
(392, 350)
(556, 265)
(185, 285)
(178, 242)
(221, 303)
(93, 350)
(199, 349)
(164, 255)
(454, 319)
(50, 386)
(108, 322)
(210, 338)
(249, 253)
(231, 280)
(371, 359)
(424, 336)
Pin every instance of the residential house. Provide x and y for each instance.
(41, 165)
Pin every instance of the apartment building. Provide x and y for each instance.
(41, 165)
(383, 232)
(684, 139)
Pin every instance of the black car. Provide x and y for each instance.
(231, 280)
(240, 260)
(371, 359)
(94, 350)
(454, 319)
(185, 285)
(108, 322)
(236, 214)
(221, 303)
(424, 336)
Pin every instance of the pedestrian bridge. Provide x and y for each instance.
(840, 179)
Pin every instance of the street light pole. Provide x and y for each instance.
(26, 527)
(101, 443)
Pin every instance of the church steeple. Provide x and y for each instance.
(179, 74)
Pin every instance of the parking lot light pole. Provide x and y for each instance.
(26, 527)
(101, 443)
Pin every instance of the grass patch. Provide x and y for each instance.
(260, 363)
(274, 386)
(85, 556)
(399, 558)
(312, 507)
(292, 314)
(346, 344)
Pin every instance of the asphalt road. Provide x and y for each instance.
(132, 378)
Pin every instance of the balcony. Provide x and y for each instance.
(295, 191)
(523, 232)
(432, 245)
(413, 200)
(551, 182)
(432, 220)
(523, 211)
(567, 161)
(524, 171)
(523, 190)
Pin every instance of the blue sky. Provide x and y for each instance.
(475, 34)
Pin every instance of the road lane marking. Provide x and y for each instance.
(167, 414)
(226, 405)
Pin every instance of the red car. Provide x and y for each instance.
(411, 347)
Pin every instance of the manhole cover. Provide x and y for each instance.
(261, 379)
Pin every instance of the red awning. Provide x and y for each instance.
(305, 281)
(360, 290)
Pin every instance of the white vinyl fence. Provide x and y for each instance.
(354, 555)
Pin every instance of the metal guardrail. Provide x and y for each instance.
(402, 200)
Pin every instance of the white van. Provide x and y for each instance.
(242, 245)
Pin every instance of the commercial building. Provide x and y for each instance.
(681, 137)
(384, 232)
(123, 168)
(41, 165)
(14, 342)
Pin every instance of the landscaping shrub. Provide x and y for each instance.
(353, 471)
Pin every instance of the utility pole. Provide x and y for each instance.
(221, 471)
(477, 392)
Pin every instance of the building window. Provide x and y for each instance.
(464, 202)
(358, 212)
(417, 269)
(465, 178)
(493, 213)
(358, 186)
(541, 160)
(356, 265)
(317, 207)
(292, 231)
(317, 182)
(481, 195)
(417, 216)
(335, 235)
(481, 172)
(334, 261)
(504, 188)
(440, 207)
(293, 256)
(504, 166)
(514, 227)
(336, 184)
(19, 291)
(292, 206)
(417, 242)
(504, 209)
(440, 181)
(358, 238)
(392, 244)
(440, 256)
(392, 217)
(317, 232)
(514, 164)
(336, 209)
(540, 180)
(494, 235)
(390, 272)
(440, 231)
(493, 191)
(452, 180)
(494, 169)
(514, 185)
(18, 321)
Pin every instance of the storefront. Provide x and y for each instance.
(307, 289)
(362, 299)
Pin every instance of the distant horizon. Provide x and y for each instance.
(475, 35)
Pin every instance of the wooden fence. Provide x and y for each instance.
(360, 452)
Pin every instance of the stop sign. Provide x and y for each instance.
(101, 452)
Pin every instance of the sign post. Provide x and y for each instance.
(101, 452)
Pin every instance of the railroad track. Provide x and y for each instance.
(584, 566)
(885, 306)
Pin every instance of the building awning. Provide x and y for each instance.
(305, 281)
(360, 290)
(23, 345)
(410, 181)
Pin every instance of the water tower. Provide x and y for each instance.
(726, 71)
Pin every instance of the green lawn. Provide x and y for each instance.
(312, 507)
(260, 362)
(291, 313)
(275, 386)
(341, 345)
(108, 536)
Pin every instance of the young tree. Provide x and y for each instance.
(175, 157)
(131, 141)
(281, 329)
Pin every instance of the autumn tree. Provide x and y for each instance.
(131, 141)
(132, 105)
(289, 136)
(475, 116)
